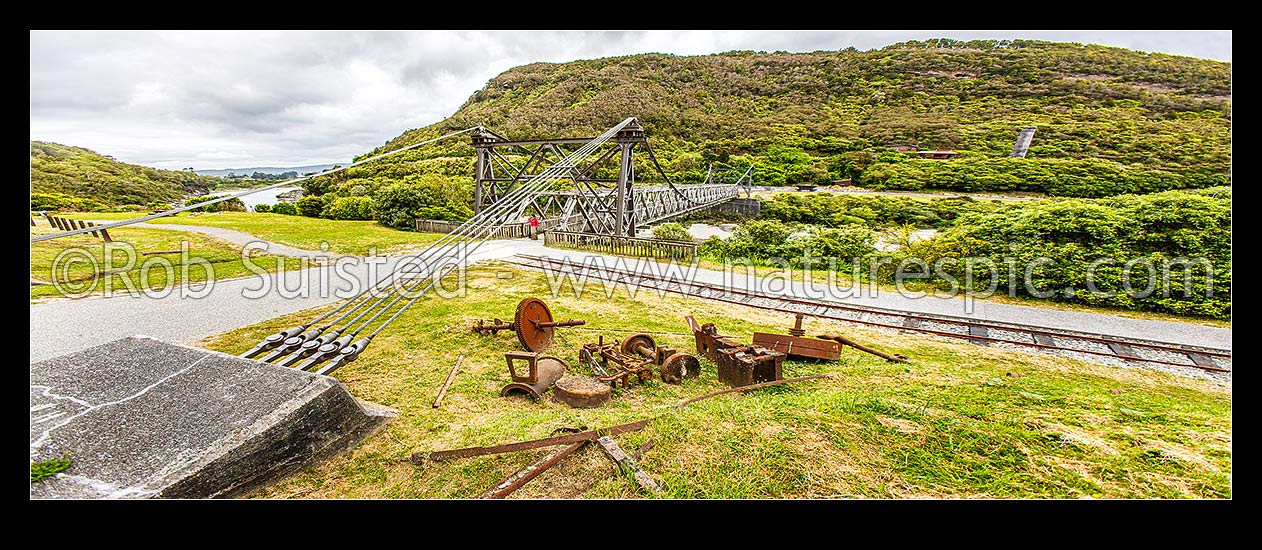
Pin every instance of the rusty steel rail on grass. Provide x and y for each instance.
(422, 457)
(891, 357)
(977, 332)
(589, 435)
(524, 475)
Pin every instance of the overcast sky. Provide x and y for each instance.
(247, 98)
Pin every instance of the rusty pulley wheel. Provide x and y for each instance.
(531, 312)
(680, 366)
(630, 343)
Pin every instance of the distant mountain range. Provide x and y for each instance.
(266, 170)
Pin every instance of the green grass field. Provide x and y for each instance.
(958, 421)
(224, 260)
(342, 237)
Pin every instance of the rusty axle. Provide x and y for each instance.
(893, 358)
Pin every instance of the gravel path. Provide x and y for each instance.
(62, 325)
(236, 237)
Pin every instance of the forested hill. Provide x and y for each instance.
(1109, 120)
(64, 174)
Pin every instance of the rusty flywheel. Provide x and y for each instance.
(529, 324)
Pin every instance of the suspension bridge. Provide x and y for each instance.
(587, 185)
(144, 392)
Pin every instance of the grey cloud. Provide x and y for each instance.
(276, 98)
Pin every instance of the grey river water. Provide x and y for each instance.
(262, 197)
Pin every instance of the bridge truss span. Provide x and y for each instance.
(603, 196)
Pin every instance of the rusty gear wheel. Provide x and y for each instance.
(680, 366)
(531, 336)
(640, 339)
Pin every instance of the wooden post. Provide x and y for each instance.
(450, 376)
(626, 463)
(84, 225)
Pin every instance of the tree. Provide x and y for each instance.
(311, 205)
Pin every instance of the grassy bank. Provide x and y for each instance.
(342, 237)
(141, 243)
(958, 421)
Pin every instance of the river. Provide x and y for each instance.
(262, 197)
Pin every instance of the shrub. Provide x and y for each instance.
(671, 232)
(311, 205)
(285, 208)
(428, 196)
(262, 207)
(63, 202)
(350, 208)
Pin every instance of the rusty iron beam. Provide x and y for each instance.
(590, 435)
(450, 377)
(419, 458)
(893, 358)
(524, 475)
(639, 453)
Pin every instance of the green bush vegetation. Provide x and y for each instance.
(263, 207)
(430, 197)
(1184, 233)
(63, 202)
(311, 206)
(1109, 121)
(763, 241)
(349, 208)
(84, 174)
(671, 232)
(874, 211)
(285, 208)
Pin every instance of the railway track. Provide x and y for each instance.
(1080, 345)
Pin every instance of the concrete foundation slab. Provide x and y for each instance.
(141, 418)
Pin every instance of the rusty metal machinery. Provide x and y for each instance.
(633, 356)
(540, 372)
(738, 364)
(532, 323)
(581, 392)
(797, 346)
(614, 366)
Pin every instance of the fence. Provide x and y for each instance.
(70, 225)
(622, 246)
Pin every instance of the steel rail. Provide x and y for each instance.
(721, 294)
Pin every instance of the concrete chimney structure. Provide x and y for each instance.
(1023, 142)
